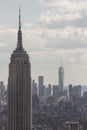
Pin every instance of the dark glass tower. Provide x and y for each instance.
(19, 87)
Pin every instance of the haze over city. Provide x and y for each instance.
(52, 29)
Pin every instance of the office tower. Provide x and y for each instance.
(79, 90)
(55, 92)
(2, 90)
(61, 80)
(42, 91)
(76, 91)
(70, 92)
(34, 88)
(19, 87)
(47, 94)
(48, 90)
(41, 86)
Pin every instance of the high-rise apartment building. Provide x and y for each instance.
(19, 87)
(61, 80)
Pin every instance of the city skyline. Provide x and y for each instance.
(51, 30)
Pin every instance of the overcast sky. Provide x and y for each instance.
(52, 30)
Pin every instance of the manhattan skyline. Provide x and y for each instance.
(51, 30)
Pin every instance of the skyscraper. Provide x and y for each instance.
(19, 87)
(34, 88)
(48, 90)
(61, 80)
(55, 92)
(41, 86)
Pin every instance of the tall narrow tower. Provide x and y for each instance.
(61, 79)
(41, 86)
(19, 87)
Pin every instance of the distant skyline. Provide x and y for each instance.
(52, 29)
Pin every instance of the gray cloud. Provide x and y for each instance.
(55, 20)
(66, 13)
(66, 43)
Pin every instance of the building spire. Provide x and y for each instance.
(19, 48)
(19, 19)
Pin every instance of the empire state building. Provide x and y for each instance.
(19, 87)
